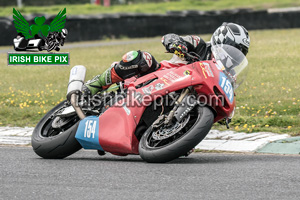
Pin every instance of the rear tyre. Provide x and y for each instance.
(51, 45)
(193, 132)
(58, 141)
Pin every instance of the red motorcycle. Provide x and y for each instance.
(160, 116)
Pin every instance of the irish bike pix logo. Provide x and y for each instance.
(37, 37)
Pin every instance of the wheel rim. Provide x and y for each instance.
(55, 125)
(155, 140)
(51, 46)
(166, 132)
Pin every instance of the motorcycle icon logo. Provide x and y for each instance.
(40, 36)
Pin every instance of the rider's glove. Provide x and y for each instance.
(178, 48)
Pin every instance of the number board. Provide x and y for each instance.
(226, 86)
(88, 133)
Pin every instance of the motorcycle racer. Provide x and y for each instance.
(139, 63)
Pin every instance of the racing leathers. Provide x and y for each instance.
(139, 63)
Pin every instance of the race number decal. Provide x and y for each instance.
(226, 86)
(88, 133)
(90, 128)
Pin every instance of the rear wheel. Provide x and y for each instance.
(170, 142)
(54, 137)
(51, 45)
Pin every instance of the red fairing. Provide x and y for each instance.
(117, 125)
(204, 76)
(116, 131)
(211, 89)
(167, 65)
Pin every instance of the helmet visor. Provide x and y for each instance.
(233, 62)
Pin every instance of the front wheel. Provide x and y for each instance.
(171, 142)
(54, 136)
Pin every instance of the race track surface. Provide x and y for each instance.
(85, 175)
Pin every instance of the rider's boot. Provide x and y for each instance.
(102, 81)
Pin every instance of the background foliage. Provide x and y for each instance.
(148, 6)
(269, 99)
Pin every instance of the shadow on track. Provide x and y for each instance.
(195, 158)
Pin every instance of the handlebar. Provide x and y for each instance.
(192, 57)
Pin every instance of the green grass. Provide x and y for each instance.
(269, 99)
(154, 7)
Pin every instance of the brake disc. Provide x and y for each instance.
(59, 122)
(166, 132)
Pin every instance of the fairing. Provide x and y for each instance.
(117, 125)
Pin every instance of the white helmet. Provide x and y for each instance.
(232, 34)
(64, 32)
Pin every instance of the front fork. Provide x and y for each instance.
(179, 111)
(168, 121)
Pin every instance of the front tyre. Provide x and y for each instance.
(160, 148)
(54, 137)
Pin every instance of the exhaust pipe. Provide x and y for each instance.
(76, 81)
(76, 107)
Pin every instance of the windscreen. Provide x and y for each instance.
(233, 62)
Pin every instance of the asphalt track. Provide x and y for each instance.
(85, 175)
